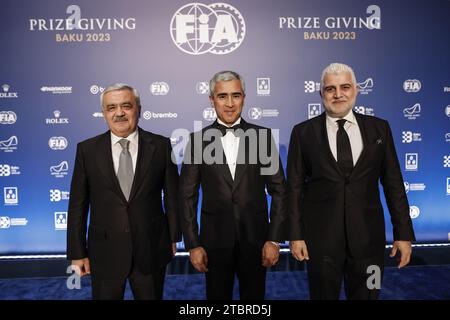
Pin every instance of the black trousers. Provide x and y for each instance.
(244, 261)
(326, 273)
(143, 286)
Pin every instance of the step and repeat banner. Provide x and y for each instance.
(58, 56)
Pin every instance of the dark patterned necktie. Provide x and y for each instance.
(344, 150)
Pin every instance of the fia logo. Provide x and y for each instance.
(209, 114)
(314, 109)
(159, 88)
(8, 117)
(218, 28)
(412, 85)
(57, 143)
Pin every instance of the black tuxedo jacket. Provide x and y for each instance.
(326, 209)
(231, 210)
(120, 230)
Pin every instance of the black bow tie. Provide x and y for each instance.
(225, 129)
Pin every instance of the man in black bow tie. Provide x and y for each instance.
(236, 236)
(336, 220)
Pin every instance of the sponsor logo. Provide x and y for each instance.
(60, 170)
(414, 186)
(446, 162)
(314, 109)
(95, 89)
(209, 114)
(7, 222)
(263, 86)
(57, 195)
(57, 118)
(411, 161)
(9, 145)
(147, 115)
(8, 117)
(57, 143)
(57, 90)
(5, 93)
(202, 87)
(409, 137)
(413, 112)
(6, 170)
(366, 86)
(311, 86)
(414, 212)
(218, 28)
(60, 220)
(364, 110)
(412, 85)
(256, 113)
(11, 195)
(159, 88)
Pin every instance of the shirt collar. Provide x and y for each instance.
(133, 138)
(238, 121)
(350, 117)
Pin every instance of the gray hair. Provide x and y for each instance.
(225, 76)
(337, 68)
(122, 86)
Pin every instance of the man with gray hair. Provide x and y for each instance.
(236, 235)
(118, 178)
(336, 221)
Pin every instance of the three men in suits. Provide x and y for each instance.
(336, 221)
(228, 161)
(118, 177)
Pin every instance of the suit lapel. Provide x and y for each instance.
(222, 167)
(145, 154)
(320, 128)
(364, 135)
(242, 157)
(105, 163)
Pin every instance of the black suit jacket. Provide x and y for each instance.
(231, 210)
(120, 230)
(328, 210)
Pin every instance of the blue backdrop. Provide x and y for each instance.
(57, 56)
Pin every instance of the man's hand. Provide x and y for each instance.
(81, 266)
(174, 248)
(199, 259)
(270, 254)
(405, 249)
(299, 250)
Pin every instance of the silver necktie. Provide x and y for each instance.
(125, 173)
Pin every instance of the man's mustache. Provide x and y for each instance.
(120, 119)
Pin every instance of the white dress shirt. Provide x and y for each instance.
(353, 132)
(116, 149)
(230, 144)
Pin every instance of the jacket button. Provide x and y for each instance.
(347, 181)
(127, 230)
